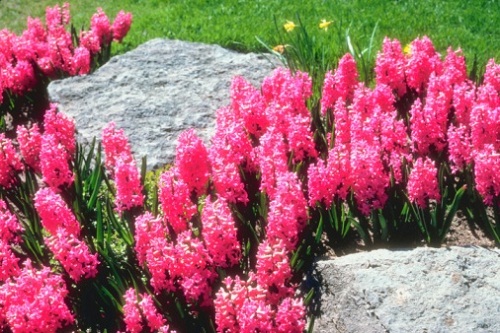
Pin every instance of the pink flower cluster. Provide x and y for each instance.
(451, 121)
(73, 253)
(137, 312)
(10, 162)
(423, 182)
(33, 301)
(263, 152)
(57, 148)
(50, 153)
(122, 167)
(50, 48)
(10, 230)
(244, 306)
(184, 264)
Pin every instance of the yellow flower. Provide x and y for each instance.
(324, 24)
(279, 48)
(407, 50)
(289, 26)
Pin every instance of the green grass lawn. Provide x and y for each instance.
(473, 25)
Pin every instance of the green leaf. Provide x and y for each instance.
(319, 229)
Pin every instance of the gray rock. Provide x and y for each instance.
(430, 290)
(156, 91)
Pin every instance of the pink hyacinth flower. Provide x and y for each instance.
(81, 61)
(147, 227)
(175, 199)
(486, 174)
(128, 184)
(34, 301)
(422, 62)
(62, 128)
(115, 144)
(10, 227)
(10, 162)
(121, 25)
(340, 84)
(247, 103)
(73, 254)
(291, 316)
(9, 265)
(132, 314)
(30, 145)
(191, 161)
(390, 66)
(195, 269)
(54, 163)
(100, 25)
(220, 233)
(423, 182)
(54, 212)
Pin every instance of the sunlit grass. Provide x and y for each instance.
(473, 26)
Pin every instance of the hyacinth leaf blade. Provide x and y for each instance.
(294, 260)
(419, 216)
(99, 228)
(451, 211)
(495, 225)
(118, 224)
(26, 214)
(319, 229)
(380, 226)
(478, 211)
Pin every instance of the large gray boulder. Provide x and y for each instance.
(156, 91)
(430, 290)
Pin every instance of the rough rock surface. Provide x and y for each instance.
(430, 290)
(156, 91)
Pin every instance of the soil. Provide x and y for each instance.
(461, 233)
